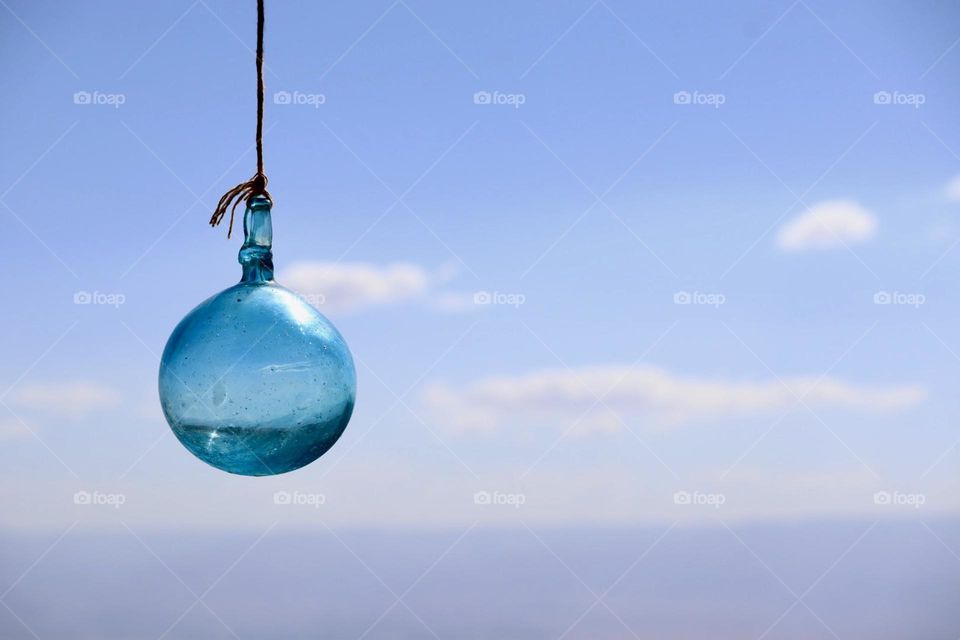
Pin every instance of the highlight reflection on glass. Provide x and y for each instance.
(255, 381)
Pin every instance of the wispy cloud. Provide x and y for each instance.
(355, 286)
(72, 399)
(13, 431)
(559, 397)
(828, 225)
(952, 190)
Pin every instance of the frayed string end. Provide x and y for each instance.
(255, 186)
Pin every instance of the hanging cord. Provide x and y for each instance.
(257, 185)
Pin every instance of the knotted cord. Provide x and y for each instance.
(257, 185)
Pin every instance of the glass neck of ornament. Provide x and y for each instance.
(255, 254)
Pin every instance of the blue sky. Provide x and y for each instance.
(653, 308)
(587, 191)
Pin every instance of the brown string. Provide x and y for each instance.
(257, 185)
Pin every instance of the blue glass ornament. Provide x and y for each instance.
(255, 381)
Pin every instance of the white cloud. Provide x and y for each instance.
(659, 398)
(828, 225)
(952, 190)
(72, 399)
(336, 286)
(456, 302)
(13, 431)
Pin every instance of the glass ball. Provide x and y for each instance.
(255, 381)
